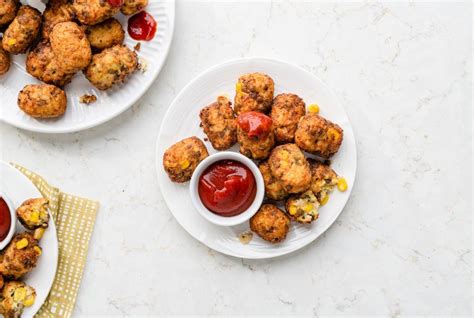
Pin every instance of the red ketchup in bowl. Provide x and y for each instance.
(5, 219)
(256, 125)
(227, 188)
(142, 26)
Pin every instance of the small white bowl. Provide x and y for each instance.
(7, 239)
(224, 220)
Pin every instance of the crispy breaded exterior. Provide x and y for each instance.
(218, 123)
(303, 207)
(70, 46)
(318, 135)
(105, 34)
(16, 262)
(22, 31)
(8, 9)
(273, 188)
(42, 101)
(2, 282)
(287, 110)
(323, 179)
(133, 6)
(42, 64)
(270, 223)
(4, 61)
(254, 92)
(56, 11)
(288, 165)
(255, 148)
(181, 159)
(111, 66)
(91, 12)
(33, 213)
(13, 298)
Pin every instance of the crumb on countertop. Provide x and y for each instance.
(87, 99)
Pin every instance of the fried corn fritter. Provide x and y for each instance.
(254, 92)
(133, 6)
(323, 180)
(255, 135)
(111, 66)
(270, 223)
(318, 135)
(70, 46)
(22, 31)
(91, 12)
(287, 110)
(42, 64)
(2, 282)
(4, 61)
(42, 101)
(218, 122)
(105, 34)
(8, 9)
(181, 159)
(33, 213)
(14, 297)
(56, 11)
(273, 188)
(20, 256)
(289, 166)
(303, 208)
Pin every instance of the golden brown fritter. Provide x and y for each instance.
(20, 256)
(105, 34)
(33, 213)
(323, 180)
(218, 122)
(2, 282)
(273, 188)
(4, 61)
(56, 11)
(270, 223)
(318, 135)
(70, 46)
(14, 297)
(303, 208)
(91, 12)
(257, 146)
(42, 64)
(42, 101)
(287, 110)
(8, 9)
(111, 66)
(22, 31)
(181, 159)
(133, 6)
(254, 92)
(289, 166)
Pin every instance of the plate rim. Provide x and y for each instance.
(158, 164)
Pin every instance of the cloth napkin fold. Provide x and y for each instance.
(74, 218)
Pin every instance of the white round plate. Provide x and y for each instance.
(109, 103)
(19, 188)
(182, 120)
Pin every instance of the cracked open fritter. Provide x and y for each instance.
(130, 7)
(91, 12)
(33, 213)
(273, 188)
(323, 180)
(270, 223)
(255, 135)
(287, 110)
(289, 166)
(56, 11)
(218, 123)
(181, 159)
(254, 92)
(23, 30)
(70, 46)
(105, 34)
(4, 60)
(303, 207)
(20, 256)
(42, 64)
(111, 66)
(318, 135)
(8, 9)
(42, 101)
(14, 297)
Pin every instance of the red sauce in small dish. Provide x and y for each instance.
(227, 188)
(115, 3)
(255, 124)
(142, 26)
(5, 219)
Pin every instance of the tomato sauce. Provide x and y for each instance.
(115, 3)
(255, 124)
(227, 188)
(5, 219)
(142, 26)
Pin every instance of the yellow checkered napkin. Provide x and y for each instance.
(74, 218)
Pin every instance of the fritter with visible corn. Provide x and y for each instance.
(318, 135)
(323, 180)
(20, 256)
(14, 297)
(303, 208)
(105, 34)
(181, 159)
(130, 7)
(273, 188)
(91, 12)
(4, 60)
(8, 9)
(42, 101)
(23, 30)
(218, 122)
(254, 92)
(255, 135)
(56, 11)
(287, 110)
(270, 223)
(33, 213)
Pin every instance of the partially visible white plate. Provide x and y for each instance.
(182, 120)
(109, 103)
(19, 188)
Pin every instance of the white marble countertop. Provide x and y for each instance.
(403, 244)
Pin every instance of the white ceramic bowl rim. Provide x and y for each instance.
(9, 203)
(224, 220)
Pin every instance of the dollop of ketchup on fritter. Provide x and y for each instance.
(255, 124)
(5, 219)
(142, 26)
(115, 3)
